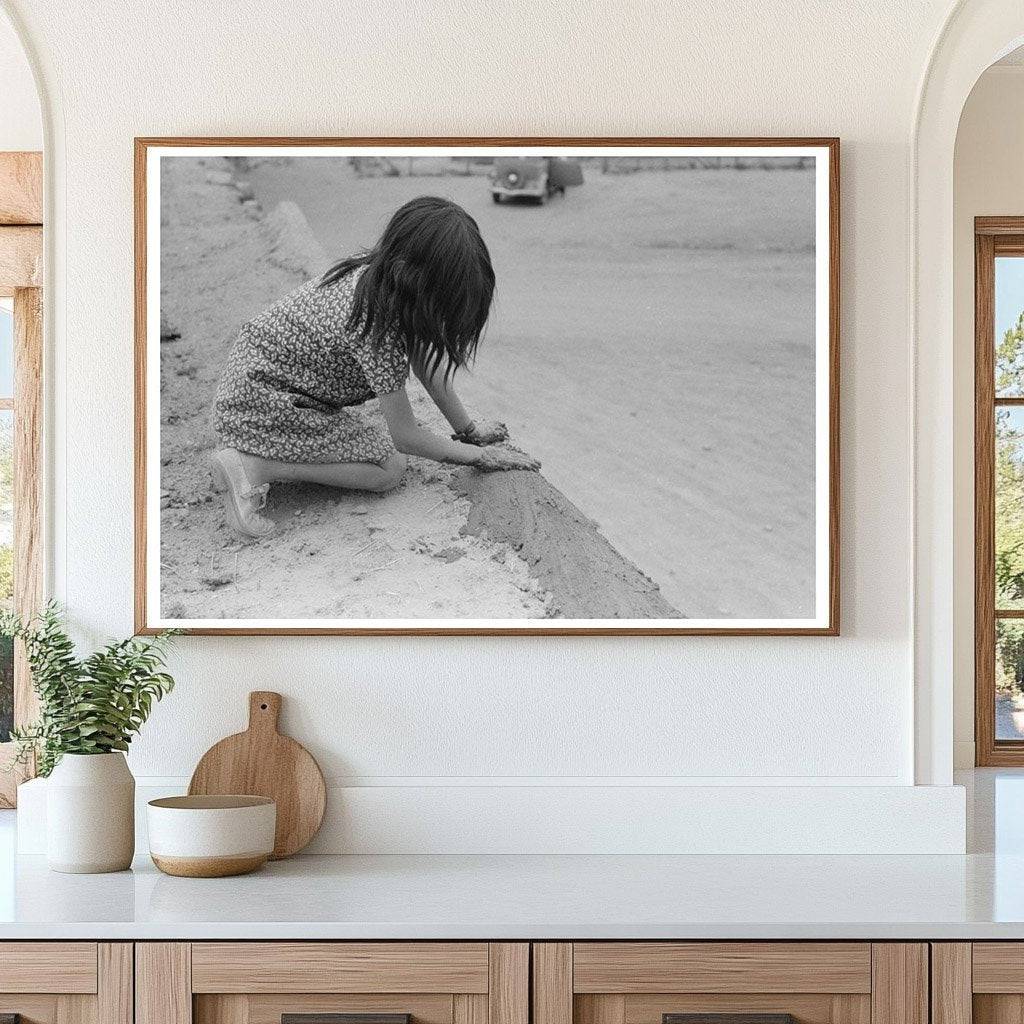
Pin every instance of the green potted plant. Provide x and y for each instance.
(89, 710)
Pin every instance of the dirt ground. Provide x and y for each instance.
(652, 342)
(335, 554)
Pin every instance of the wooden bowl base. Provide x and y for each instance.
(210, 867)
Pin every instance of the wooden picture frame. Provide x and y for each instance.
(21, 266)
(825, 621)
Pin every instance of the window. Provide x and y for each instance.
(21, 258)
(999, 490)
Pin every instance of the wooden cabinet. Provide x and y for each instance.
(511, 982)
(260, 982)
(66, 982)
(648, 982)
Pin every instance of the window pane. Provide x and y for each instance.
(1009, 679)
(6, 567)
(1009, 326)
(1009, 525)
(6, 348)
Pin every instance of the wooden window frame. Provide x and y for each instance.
(21, 269)
(993, 236)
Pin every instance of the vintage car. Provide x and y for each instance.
(533, 177)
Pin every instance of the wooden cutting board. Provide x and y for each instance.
(262, 762)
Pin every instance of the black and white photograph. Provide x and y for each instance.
(478, 388)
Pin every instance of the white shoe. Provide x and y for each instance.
(242, 502)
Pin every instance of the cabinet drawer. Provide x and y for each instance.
(48, 967)
(66, 982)
(749, 982)
(262, 982)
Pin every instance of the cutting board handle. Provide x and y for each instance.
(264, 710)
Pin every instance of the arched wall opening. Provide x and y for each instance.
(986, 183)
(976, 34)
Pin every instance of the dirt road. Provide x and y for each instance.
(652, 342)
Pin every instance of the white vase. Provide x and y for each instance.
(90, 814)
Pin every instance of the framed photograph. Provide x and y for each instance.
(487, 386)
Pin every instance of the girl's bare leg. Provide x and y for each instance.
(355, 476)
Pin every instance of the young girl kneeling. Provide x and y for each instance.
(286, 403)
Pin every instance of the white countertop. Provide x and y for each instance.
(978, 896)
(532, 897)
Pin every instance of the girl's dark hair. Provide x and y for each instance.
(429, 280)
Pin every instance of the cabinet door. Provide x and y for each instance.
(981, 982)
(332, 983)
(66, 982)
(737, 982)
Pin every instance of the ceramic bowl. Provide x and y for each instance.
(211, 836)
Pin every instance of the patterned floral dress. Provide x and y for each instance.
(294, 376)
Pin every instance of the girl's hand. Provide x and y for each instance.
(492, 460)
(482, 432)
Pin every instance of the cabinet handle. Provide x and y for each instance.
(337, 1018)
(728, 1018)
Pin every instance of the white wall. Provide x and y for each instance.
(21, 125)
(394, 712)
(988, 181)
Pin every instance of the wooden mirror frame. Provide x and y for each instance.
(21, 271)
